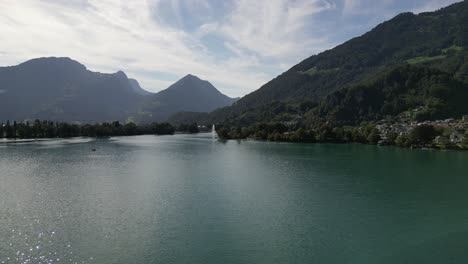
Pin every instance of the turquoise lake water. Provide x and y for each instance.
(192, 199)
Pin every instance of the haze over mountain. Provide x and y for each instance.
(189, 94)
(137, 88)
(64, 90)
(412, 62)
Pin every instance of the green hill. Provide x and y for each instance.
(411, 92)
(412, 65)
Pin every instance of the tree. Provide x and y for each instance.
(465, 140)
(37, 128)
(193, 128)
(162, 129)
(8, 129)
(223, 133)
(15, 126)
(402, 141)
(374, 136)
(130, 128)
(422, 134)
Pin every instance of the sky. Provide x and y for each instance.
(237, 45)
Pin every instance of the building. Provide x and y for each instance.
(456, 138)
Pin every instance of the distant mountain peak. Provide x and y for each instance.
(121, 75)
(60, 62)
(53, 59)
(192, 82)
(60, 88)
(57, 88)
(189, 94)
(192, 78)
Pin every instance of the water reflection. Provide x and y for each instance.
(189, 199)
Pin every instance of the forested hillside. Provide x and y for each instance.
(411, 63)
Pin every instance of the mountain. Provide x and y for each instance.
(189, 94)
(412, 62)
(63, 89)
(137, 88)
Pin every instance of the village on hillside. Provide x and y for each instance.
(449, 133)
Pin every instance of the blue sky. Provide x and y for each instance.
(238, 45)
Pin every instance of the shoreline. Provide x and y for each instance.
(17, 141)
(437, 134)
(414, 147)
(5, 141)
(349, 143)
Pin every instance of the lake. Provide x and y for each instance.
(192, 199)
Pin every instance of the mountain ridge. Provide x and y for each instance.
(62, 89)
(189, 94)
(437, 40)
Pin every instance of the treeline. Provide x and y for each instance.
(188, 128)
(367, 133)
(280, 132)
(49, 129)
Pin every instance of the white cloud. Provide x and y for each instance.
(388, 7)
(272, 28)
(260, 38)
(360, 7)
(110, 35)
